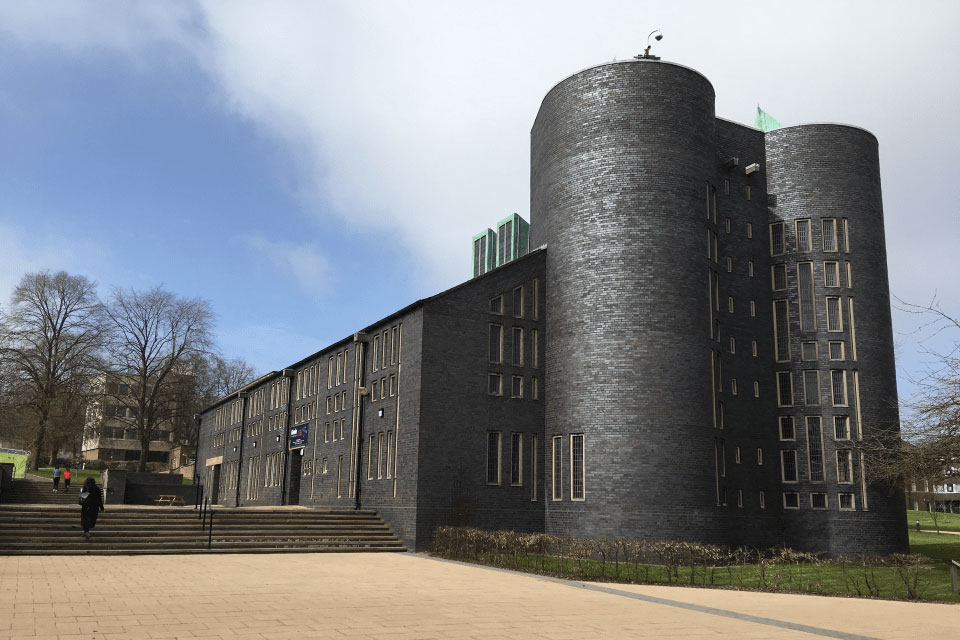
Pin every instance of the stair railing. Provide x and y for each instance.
(210, 534)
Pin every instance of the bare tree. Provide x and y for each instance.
(926, 452)
(155, 338)
(49, 342)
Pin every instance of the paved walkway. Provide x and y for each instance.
(405, 596)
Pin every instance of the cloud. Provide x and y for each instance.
(311, 270)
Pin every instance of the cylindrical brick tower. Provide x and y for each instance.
(835, 370)
(620, 157)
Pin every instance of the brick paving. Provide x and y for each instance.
(404, 596)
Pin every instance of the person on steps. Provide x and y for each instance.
(56, 478)
(91, 504)
(66, 479)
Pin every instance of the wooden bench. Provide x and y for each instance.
(170, 500)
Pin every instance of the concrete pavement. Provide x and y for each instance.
(404, 596)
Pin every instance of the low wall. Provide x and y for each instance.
(6, 478)
(125, 487)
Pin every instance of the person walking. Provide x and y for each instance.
(66, 479)
(91, 504)
(56, 478)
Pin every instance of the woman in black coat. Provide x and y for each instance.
(91, 504)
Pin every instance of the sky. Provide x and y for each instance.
(310, 167)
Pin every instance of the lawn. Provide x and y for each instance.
(77, 475)
(946, 521)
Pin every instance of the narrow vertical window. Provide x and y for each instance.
(535, 348)
(815, 448)
(339, 369)
(784, 388)
(763, 500)
(536, 298)
(516, 387)
(781, 331)
(577, 477)
(747, 191)
(339, 476)
(844, 467)
(516, 459)
(534, 478)
(849, 271)
(380, 455)
(493, 457)
(838, 379)
(726, 187)
(750, 268)
(518, 302)
(749, 229)
(729, 264)
(389, 454)
(845, 236)
(495, 384)
(778, 276)
(777, 244)
(370, 457)
(534, 388)
(834, 315)
(753, 348)
(756, 388)
(811, 388)
(852, 329)
(808, 312)
(788, 466)
(733, 345)
(394, 344)
(829, 228)
(517, 346)
(557, 468)
(804, 242)
(496, 343)
(376, 352)
(727, 224)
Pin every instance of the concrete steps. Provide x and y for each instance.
(35, 490)
(55, 530)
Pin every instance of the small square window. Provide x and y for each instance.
(846, 501)
(791, 500)
(496, 305)
(808, 351)
(495, 384)
(818, 501)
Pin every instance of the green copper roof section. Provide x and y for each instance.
(764, 121)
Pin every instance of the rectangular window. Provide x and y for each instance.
(726, 187)
(729, 264)
(804, 240)
(729, 304)
(339, 476)
(517, 346)
(811, 388)
(808, 351)
(557, 469)
(370, 457)
(516, 387)
(534, 388)
(726, 223)
(749, 229)
(777, 244)
(829, 227)
(493, 457)
(836, 349)
(495, 384)
(516, 459)
(740, 498)
(389, 454)
(808, 312)
(781, 330)
(784, 388)
(849, 274)
(834, 315)
(845, 236)
(733, 345)
(831, 274)
(815, 448)
(753, 309)
(844, 467)
(763, 500)
(788, 466)
(394, 348)
(846, 502)
(496, 305)
(383, 388)
(791, 500)
(534, 348)
(750, 268)
(759, 457)
(753, 348)
(852, 329)
(733, 386)
(818, 501)
(577, 476)
(778, 275)
(374, 395)
(841, 427)
(393, 385)
(838, 386)
(518, 302)
(380, 455)
(534, 478)
(756, 388)
(747, 191)
(496, 343)
(536, 298)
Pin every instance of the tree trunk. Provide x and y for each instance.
(38, 442)
(144, 454)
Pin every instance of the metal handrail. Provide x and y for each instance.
(210, 535)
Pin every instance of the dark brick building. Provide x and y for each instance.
(677, 357)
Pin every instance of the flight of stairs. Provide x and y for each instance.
(36, 490)
(54, 529)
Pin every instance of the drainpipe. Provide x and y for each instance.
(359, 391)
(196, 450)
(286, 373)
(242, 395)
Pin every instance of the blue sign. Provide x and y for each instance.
(299, 435)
